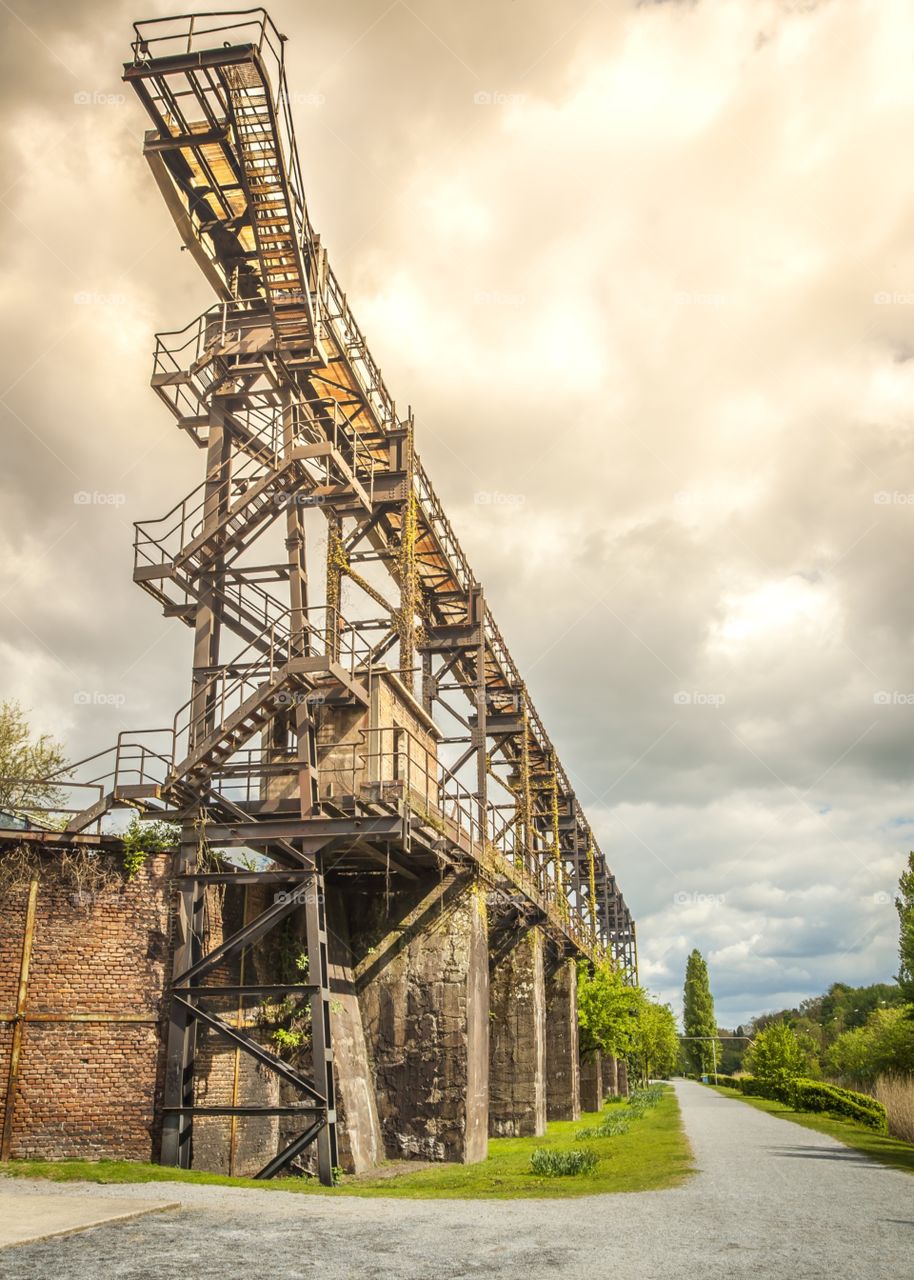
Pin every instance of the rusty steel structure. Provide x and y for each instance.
(306, 458)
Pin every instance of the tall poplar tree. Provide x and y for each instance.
(904, 904)
(698, 1016)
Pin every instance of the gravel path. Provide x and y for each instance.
(772, 1200)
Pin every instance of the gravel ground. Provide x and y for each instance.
(771, 1200)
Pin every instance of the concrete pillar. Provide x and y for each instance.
(517, 1034)
(622, 1077)
(610, 1077)
(423, 985)
(592, 1083)
(563, 1076)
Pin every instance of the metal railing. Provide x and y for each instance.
(258, 667)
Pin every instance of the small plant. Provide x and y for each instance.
(642, 1100)
(548, 1163)
(337, 1175)
(608, 1127)
(288, 1038)
(142, 838)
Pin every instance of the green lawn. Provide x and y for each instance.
(891, 1151)
(653, 1154)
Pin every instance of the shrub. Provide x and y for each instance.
(729, 1082)
(771, 1089)
(549, 1163)
(812, 1095)
(896, 1093)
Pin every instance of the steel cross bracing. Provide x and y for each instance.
(276, 384)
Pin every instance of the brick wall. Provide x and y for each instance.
(87, 1087)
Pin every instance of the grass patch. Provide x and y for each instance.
(653, 1154)
(890, 1151)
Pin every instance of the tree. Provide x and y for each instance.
(776, 1055)
(655, 1042)
(26, 764)
(698, 1016)
(904, 904)
(607, 1009)
(884, 1046)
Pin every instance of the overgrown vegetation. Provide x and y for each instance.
(87, 872)
(143, 838)
(288, 1019)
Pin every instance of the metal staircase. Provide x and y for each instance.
(283, 270)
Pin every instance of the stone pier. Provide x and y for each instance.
(563, 1075)
(592, 1092)
(421, 970)
(517, 1033)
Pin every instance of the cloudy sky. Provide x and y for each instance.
(646, 275)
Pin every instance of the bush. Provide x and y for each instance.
(549, 1163)
(774, 1090)
(812, 1095)
(729, 1082)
